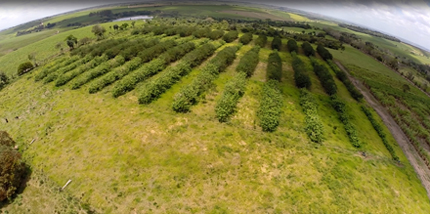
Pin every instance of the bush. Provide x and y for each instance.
(246, 38)
(230, 36)
(274, 67)
(324, 53)
(4, 80)
(188, 95)
(153, 52)
(24, 68)
(233, 91)
(308, 49)
(202, 32)
(261, 41)
(249, 62)
(353, 91)
(65, 78)
(45, 72)
(292, 46)
(325, 77)
(301, 78)
(216, 34)
(269, 111)
(351, 131)
(378, 128)
(12, 168)
(276, 43)
(314, 127)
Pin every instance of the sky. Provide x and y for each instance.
(405, 19)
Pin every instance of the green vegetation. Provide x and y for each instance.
(292, 46)
(301, 78)
(24, 68)
(344, 78)
(314, 127)
(261, 41)
(230, 36)
(276, 43)
(274, 67)
(308, 49)
(325, 77)
(270, 108)
(246, 38)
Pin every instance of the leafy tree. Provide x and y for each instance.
(98, 31)
(12, 169)
(125, 25)
(24, 68)
(115, 27)
(324, 53)
(308, 49)
(71, 41)
(292, 46)
(84, 41)
(276, 43)
(4, 80)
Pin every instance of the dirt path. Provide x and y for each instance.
(420, 168)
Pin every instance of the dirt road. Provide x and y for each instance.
(420, 168)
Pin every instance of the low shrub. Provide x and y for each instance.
(230, 36)
(308, 49)
(269, 111)
(292, 46)
(234, 89)
(24, 68)
(261, 41)
(274, 67)
(249, 61)
(246, 38)
(301, 78)
(276, 43)
(313, 125)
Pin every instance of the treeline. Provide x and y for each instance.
(353, 91)
(270, 109)
(324, 76)
(378, 128)
(313, 125)
(350, 129)
(276, 43)
(153, 89)
(189, 94)
(235, 88)
(301, 78)
(370, 32)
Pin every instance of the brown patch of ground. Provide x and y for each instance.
(412, 155)
(253, 14)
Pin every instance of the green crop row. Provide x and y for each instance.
(246, 38)
(324, 76)
(261, 41)
(249, 61)
(53, 75)
(189, 94)
(274, 67)
(270, 109)
(308, 49)
(351, 131)
(313, 125)
(153, 89)
(154, 51)
(355, 93)
(216, 34)
(324, 53)
(230, 36)
(292, 46)
(233, 91)
(45, 72)
(130, 81)
(380, 131)
(301, 78)
(65, 78)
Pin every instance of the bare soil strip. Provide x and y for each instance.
(419, 166)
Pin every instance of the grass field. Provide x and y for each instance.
(123, 157)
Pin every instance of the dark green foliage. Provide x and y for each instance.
(233, 91)
(133, 49)
(380, 131)
(189, 94)
(65, 78)
(53, 75)
(301, 78)
(351, 131)
(246, 38)
(4, 80)
(155, 88)
(325, 77)
(292, 46)
(91, 74)
(355, 93)
(308, 49)
(276, 43)
(261, 41)
(153, 52)
(230, 36)
(24, 68)
(314, 127)
(216, 34)
(12, 168)
(324, 53)
(202, 32)
(270, 111)
(129, 82)
(249, 62)
(274, 67)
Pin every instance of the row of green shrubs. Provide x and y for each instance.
(274, 67)
(355, 93)
(53, 75)
(350, 129)
(314, 127)
(153, 89)
(65, 78)
(45, 72)
(308, 49)
(324, 53)
(292, 46)
(270, 109)
(301, 78)
(261, 40)
(97, 49)
(380, 131)
(324, 76)
(246, 38)
(235, 88)
(276, 43)
(230, 36)
(189, 94)
(130, 81)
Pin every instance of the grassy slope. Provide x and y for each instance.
(124, 157)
